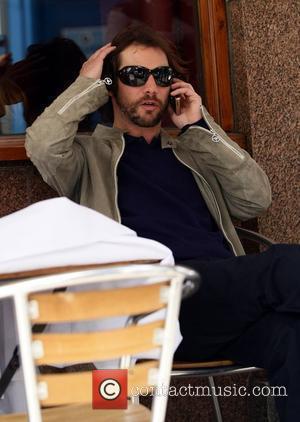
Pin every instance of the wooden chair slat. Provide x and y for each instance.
(95, 346)
(84, 305)
(14, 417)
(84, 412)
(76, 387)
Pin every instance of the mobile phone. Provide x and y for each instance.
(175, 104)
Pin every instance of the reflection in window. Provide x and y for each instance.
(43, 44)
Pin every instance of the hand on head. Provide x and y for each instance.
(92, 68)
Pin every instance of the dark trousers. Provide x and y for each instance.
(248, 310)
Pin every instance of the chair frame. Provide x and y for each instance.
(229, 368)
(21, 289)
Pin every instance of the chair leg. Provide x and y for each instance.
(215, 399)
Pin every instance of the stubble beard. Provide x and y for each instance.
(150, 118)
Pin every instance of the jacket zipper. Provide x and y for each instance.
(214, 198)
(116, 182)
(98, 82)
(217, 138)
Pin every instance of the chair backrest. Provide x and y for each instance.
(124, 291)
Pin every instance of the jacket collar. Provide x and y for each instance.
(108, 133)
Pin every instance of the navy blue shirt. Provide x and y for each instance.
(159, 199)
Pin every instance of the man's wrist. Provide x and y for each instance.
(201, 122)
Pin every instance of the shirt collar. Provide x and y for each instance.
(129, 139)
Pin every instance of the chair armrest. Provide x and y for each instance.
(254, 236)
(190, 285)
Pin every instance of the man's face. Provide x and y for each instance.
(143, 105)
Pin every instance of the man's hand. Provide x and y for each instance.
(190, 103)
(92, 68)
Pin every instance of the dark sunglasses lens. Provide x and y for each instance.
(133, 75)
(138, 75)
(163, 75)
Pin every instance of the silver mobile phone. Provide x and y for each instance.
(175, 104)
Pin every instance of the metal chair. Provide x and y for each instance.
(129, 290)
(210, 369)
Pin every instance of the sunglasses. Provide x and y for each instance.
(138, 75)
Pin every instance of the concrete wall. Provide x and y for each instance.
(265, 75)
(20, 186)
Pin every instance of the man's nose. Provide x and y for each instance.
(150, 85)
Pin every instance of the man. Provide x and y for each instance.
(182, 192)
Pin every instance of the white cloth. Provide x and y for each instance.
(58, 232)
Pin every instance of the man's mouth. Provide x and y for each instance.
(150, 105)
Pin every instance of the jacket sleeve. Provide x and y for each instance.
(245, 186)
(50, 142)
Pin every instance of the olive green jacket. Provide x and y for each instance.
(84, 167)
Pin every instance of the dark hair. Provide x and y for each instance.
(143, 35)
